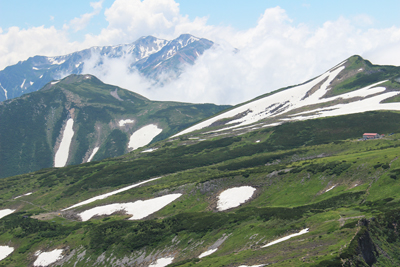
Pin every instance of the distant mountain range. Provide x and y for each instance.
(149, 55)
(79, 119)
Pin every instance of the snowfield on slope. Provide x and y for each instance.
(233, 197)
(139, 209)
(47, 258)
(125, 122)
(285, 238)
(207, 253)
(61, 157)
(93, 153)
(103, 196)
(27, 194)
(5, 212)
(162, 262)
(285, 101)
(143, 136)
(5, 251)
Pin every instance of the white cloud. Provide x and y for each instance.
(80, 23)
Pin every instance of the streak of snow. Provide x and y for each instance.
(5, 212)
(54, 61)
(41, 76)
(258, 141)
(90, 200)
(23, 84)
(61, 157)
(5, 91)
(233, 197)
(93, 153)
(143, 136)
(286, 238)
(330, 188)
(208, 252)
(260, 265)
(149, 150)
(138, 209)
(54, 82)
(35, 68)
(360, 69)
(5, 251)
(47, 258)
(123, 122)
(162, 262)
(157, 65)
(27, 194)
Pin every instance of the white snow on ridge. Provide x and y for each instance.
(54, 82)
(207, 253)
(27, 194)
(5, 251)
(54, 61)
(162, 262)
(233, 197)
(5, 212)
(294, 98)
(124, 122)
(93, 153)
(138, 209)
(286, 238)
(103, 196)
(61, 157)
(47, 258)
(143, 136)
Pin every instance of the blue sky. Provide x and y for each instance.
(281, 43)
(236, 13)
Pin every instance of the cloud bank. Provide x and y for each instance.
(273, 54)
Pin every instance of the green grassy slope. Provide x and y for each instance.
(292, 168)
(31, 126)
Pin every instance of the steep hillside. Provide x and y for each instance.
(308, 193)
(149, 55)
(353, 86)
(80, 119)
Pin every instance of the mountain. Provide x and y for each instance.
(149, 55)
(353, 86)
(79, 119)
(306, 192)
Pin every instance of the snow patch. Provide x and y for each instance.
(5, 251)
(162, 262)
(208, 252)
(5, 212)
(90, 200)
(149, 150)
(143, 136)
(61, 157)
(31, 83)
(330, 188)
(54, 61)
(138, 209)
(34, 68)
(41, 76)
(93, 153)
(124, 122)
(27, 194)
(54, 82)
(5, 91)
(47, 258)
(260, 265)
(233, 197)
(286, 238)
(258, 141)
(23, 84)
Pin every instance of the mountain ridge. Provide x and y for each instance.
(147, 55)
